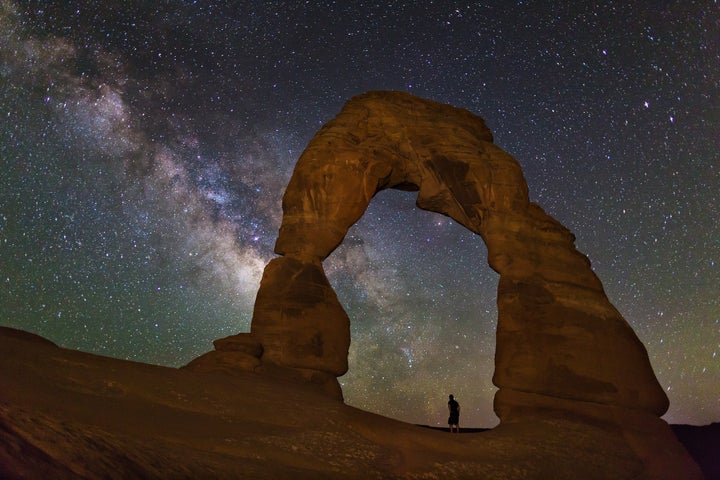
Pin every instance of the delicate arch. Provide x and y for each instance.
(558, 338)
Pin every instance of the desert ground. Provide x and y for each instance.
(69, 414)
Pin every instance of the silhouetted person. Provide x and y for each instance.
(454, 418)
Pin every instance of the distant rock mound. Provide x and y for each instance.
(562, 347)
(703, 443)
(23, 335)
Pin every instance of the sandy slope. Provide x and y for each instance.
(68, 414)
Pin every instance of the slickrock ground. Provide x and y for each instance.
(69, 414)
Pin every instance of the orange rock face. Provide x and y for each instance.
(558, 335)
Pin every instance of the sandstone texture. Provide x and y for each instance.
(562, 348)
(66, 414)
(558, 335)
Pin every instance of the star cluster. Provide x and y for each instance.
(145, 147)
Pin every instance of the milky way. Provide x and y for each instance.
(144, 151)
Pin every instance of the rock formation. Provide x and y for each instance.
(558, 335)
(562, 348)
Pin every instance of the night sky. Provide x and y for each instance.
(145, 147)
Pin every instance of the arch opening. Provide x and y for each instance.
(421, 302)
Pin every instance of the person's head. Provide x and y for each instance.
(452, 397)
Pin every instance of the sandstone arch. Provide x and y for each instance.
(564, 354)
(559, 339)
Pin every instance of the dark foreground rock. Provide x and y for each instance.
(69, 414)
